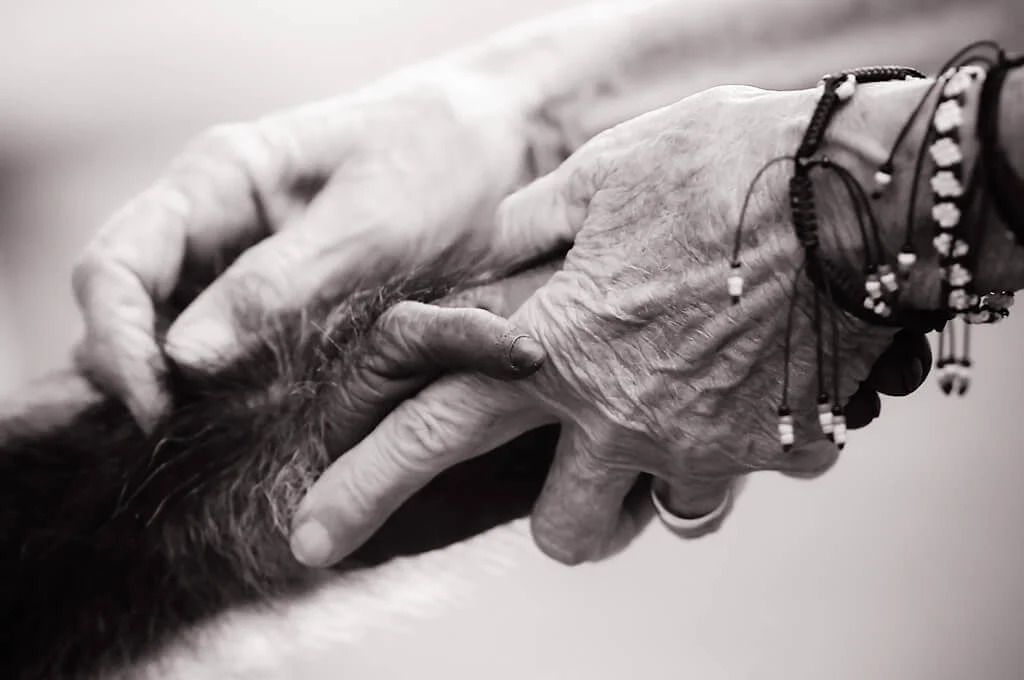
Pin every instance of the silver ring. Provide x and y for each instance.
(688, 524)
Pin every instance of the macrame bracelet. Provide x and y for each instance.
(959, 204)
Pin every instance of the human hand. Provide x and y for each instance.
(650, 369)
(309, 204)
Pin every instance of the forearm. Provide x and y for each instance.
(589, 68)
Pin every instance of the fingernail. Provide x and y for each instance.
(526, 353)
(312, 545)
(202, 343)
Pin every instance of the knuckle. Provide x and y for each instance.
(247, 148)
(223, 138)
(252, 289)
(509, 212)
(274, 134)
(263, 278)
(393, 338)
(398, 317)
(90, 266)
(592, 462)
(421, 434)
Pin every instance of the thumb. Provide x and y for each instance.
(549, 210)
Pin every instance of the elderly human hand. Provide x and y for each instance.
(312, 203)
(651, 370)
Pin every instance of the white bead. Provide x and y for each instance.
(946, 185)
(958, 299)
(787, 439)
(889, 281)
(960, 248)
(943, 242)
(735, 285)
(839, 430)
(869, 302)
(873, 286)
(959, 276)
(948, 116)
(945, 152)
(946, 214)
(846, 88)
(786, 420)
(957, 84)
(825, 419)
(882, 179)
(906, 260)
(882, 309)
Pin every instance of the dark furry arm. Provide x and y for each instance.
(113, 543)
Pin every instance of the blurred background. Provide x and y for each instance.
(906, 562)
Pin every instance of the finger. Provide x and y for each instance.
(808, 461)
(504, 297)
(864, 406)
(703, 506)
(450, 421)
(202, 206)
(354, 235)
(115, 284)
(412, 343)
(413, 338)
(579, 515)
(904, 366)
(46, 406)
(546, 213)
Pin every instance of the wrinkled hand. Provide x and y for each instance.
(309, 203)
(650, 369)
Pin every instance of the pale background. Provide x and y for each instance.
(904, 563)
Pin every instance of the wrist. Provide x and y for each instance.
(860, 138)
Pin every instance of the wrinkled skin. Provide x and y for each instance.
(650, 368)
(313, 203)
(305, 205)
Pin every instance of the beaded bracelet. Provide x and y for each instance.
(959, 203)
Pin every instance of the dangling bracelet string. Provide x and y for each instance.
(735, 282)
(786, 429)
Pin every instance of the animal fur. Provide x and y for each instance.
(114, 544)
